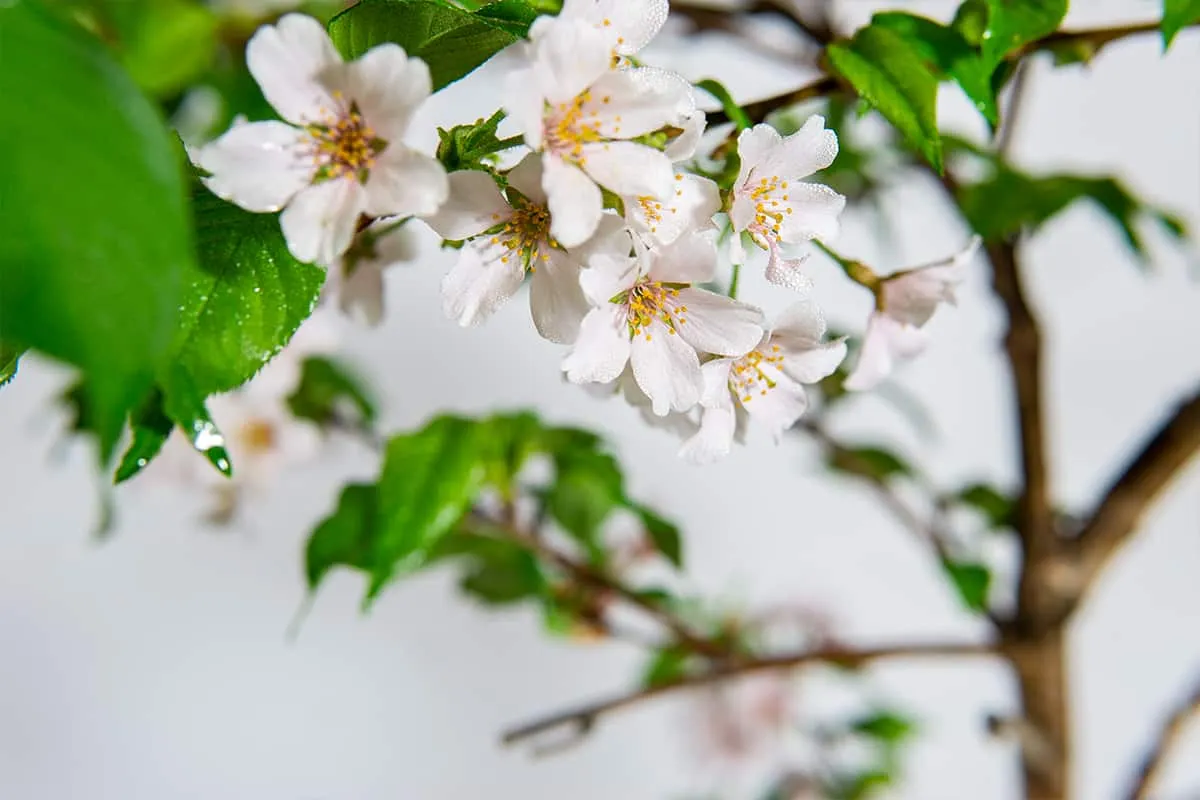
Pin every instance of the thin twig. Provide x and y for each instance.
(583, 719)
(761, 109)
(1156, 759)
(1016, 102)
(707, 18)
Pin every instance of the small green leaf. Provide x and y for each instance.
(587, 487)
(950, 55)
(184, 405)
(666, 666)
(663, 533)
(10, 358)
(509, 440)
(452, 41)
(972, 582)
(892, 77)
(151, 428)
(873, 463)
(246, 299)
(970, 20)
(345, 537)
(94, 237)
(501, 573)
(1177, 15)
(469, 146)
(167, 44)
(997, 508)
(886, 726)
(331, 394)
(1012, 24)
(732, 110)
(861, 786)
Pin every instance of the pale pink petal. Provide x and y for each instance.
(690, 207)
(787, 272)
(684, 146)
(474, 205)
(285, 59)
(884, 342)
(801, 326)
(624, 104)
(256, 165)
(525, 105)
(602, 348)
(913, 296)
(742, 213)
(320, 221)
(755, 147)
(628, 168)
(667, 369)
(526, 178)
(816, 363)
(631, 24)
(575, 202)
(556, 300)
(717, 324)
(714, 439)
(404, 181)
(806, 151)
(569, 56)
(777, 407)
(608, 275)
(814, 213)
(692, 258)
(476, 286)
(387, 86)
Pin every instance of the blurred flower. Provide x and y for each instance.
(343, 153)
(357, 279)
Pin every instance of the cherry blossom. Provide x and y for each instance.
(340, 152)
(647, 313)
(630, 25)
(773, 206)
(904, 302)
(689, 206)
(765, 385)
(357, 281)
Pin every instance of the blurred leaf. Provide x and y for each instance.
(970, 20)
(510, 440)
(467, 146)
(861, 785)
(948, 53)
(167, 44)
(1012, 24)
(1010, 201)
(887, 727)
(452, 41)
(873, 463)
(346, 537)
(500, 573)
(151, 428)
(327, 390)
(972, 582)
(732, 110)
(246, 299)
(666, 666)
(587, 487)
(94, 236)
(997, 508)
(663, 533)
(889, 74)
(10, 357)
(1177, 15)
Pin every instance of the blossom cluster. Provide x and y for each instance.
(604, 213)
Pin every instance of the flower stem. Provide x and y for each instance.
(733, 281)
(856, 271)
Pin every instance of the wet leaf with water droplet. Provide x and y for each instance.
(185, 406)
(151, 427)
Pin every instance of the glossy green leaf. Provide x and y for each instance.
(892, 77)
(663, 533)
(329, 393)
(1177, 15)
(452, 41)
(346, 537)
(94, 237)
(1012, 24)
(514, 16)
(10, 359)
(1009, 201)
(184, 404)
(151, 427)
(997, 508)
(972, 582)
(244, 301)
(873, 463)
(951, 56)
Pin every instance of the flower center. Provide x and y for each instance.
(525, 235)
(257, 435)
(750, 375)
(343, 145)
(770, 207)
(569, 126)
(648, 301)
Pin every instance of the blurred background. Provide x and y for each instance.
(157, 664)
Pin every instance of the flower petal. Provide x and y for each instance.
(627, 103)
(801, 326)
(556, 300)
(360, 294)
(476, 286)
(404, 181)
(474, 205)
(569, 55)
(667, 369)
(884, 342)
(912, 296)
(814, 213)
(628, 168)
(778, 407)
(787, 272)
(606, 276)
(714, 439)
(525, 105)
(385, 84)
(692, 258)
(718, 324)
(575, 202)
(806, 151)
(602, 348)
(684, 146)
(755, 149)
(632, 25)
(319, 222)
(256, 165)
(526, 178)
(690, 208)
(286, 59)
(815, 364)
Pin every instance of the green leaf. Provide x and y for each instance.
(501, 573)
(167, 44)
(246, 299)
(997, 508)
(732, 110)
(94, 237)
(345, 537)
(514, 16)
(184, 405)
(469, 146)
(886, 726)
(10, 358)
(509, 440)
(587, 487)
(666, 666)
(151, 428)
(1177, 15)
(970, 20)
(452, 41)
(1012, 24)
(861, 785)
(663, 533)
(330, 393)
(1009, 201)
(972, 582)
(430, 478)
(892, 77)
(950, 55)
(873, 463)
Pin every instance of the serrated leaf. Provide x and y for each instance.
(892, 77)
(151, 428)
(972, 582)
(452, 41)
(1012, 24)
(663, 533)
(874, 463)
(94, 239)
(997, 508)
(330, 393)
(950, 55)
(1177, 15)
(244, 301)
(184, 404)
(10, 358)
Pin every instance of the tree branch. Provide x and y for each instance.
(707, 18)
(1156, 759)
(581, 720)
(1127, 499)
(761, 109)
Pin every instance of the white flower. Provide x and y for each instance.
(646, 313)
(343, 152)
(904, 302)
(773, 206)
(357, 279)
(689, 206)
(767, 383)
(581, 115)
(629, 24)
(507, 237)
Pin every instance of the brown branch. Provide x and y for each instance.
(707, 18)
(761, 109)
(582, 720)
(1156, 759)
(1119, 512)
